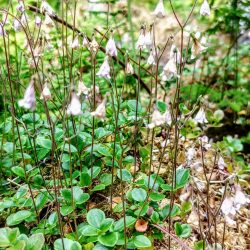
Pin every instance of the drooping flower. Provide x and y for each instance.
(38, 21)
(157, 119)
(2, 30)
(221, 163)
(48, 21)
(141, 42)
(24, 19)
(205, 9)
(104, 70)
(151, 59)
(100, 111)
(16, 25)
(82, 89)
(169, 70)
(93, 45)
(159, 10)
(111, 47)
(148, 39)
(175, 54)
(75, 43)
(29, 99)
(46, 94)
(20, 7)
(46, 8)
(74, 108)
(129, 69)
(190, 154)
(197, 48)
(85, 42)
(201, 116)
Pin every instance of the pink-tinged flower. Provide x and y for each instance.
(205, 142)
(46, 94)
(175, 54)
(48, 21)
(157, 119)
(82, 89)
(75, 43)
(111, 47)
(16, 25)
(20, 7)
(85, 42)
(151, 58)
(100, 111)
(29, 99)
(93, 45)
(129, 69)
(141, 42)
(159, 10)
(104, 70)
(197, 48)
(148, 39)
(46, 8)
(201, 116)
(169, 70)
(24, 19)
(38, 21)
(74, 108)
(221, 163)
(205, 9)
(2, 30)
(190, 154)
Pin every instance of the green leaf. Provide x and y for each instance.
(155, 217)
(88, 230)
(79, 196)
(68, 244)
(182, 177)
(95, 217)
(96, 171)
(161, 106)
(69, 148)
(132, 105)
(99, 187)
(66, 193)
(119, 225)
(142, 241)
(85, 180)
(35, 242)
(106, 224)
(200, 245)
(103, 150)
(156, 196)
(19, 171)
(108, 239)
(166, 211)
(66, 210)
(8, 236)
(19, 245)
(139, 194)
(18, 217)
(106, 179)
(182, 230)
(44, 143)
(126, 175)
(166, 187)
(99, 246)
(41, 200)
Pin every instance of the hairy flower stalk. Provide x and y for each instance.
(74, 108)
(205, 9)
(29, 100)
(159, 10)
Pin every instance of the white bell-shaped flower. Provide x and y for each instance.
(201, 116)
(82, 89)
(48, 21)
(75, 43)
(24, 19)
(148, 39)
(157, 119)
(29, 99)
(205, 9)
(100, 111)
(159, 10)
(221, 163)
(151, 59)
(175, 54)
(46, 94)
(74, 108)
(38, 21)
(169, 70)
(141, 42)
(94, 45)
(129, 69)
(104, 70)
(111, 47)
(85, 42)
(16, 25)
(46, 8)
(197, 48)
